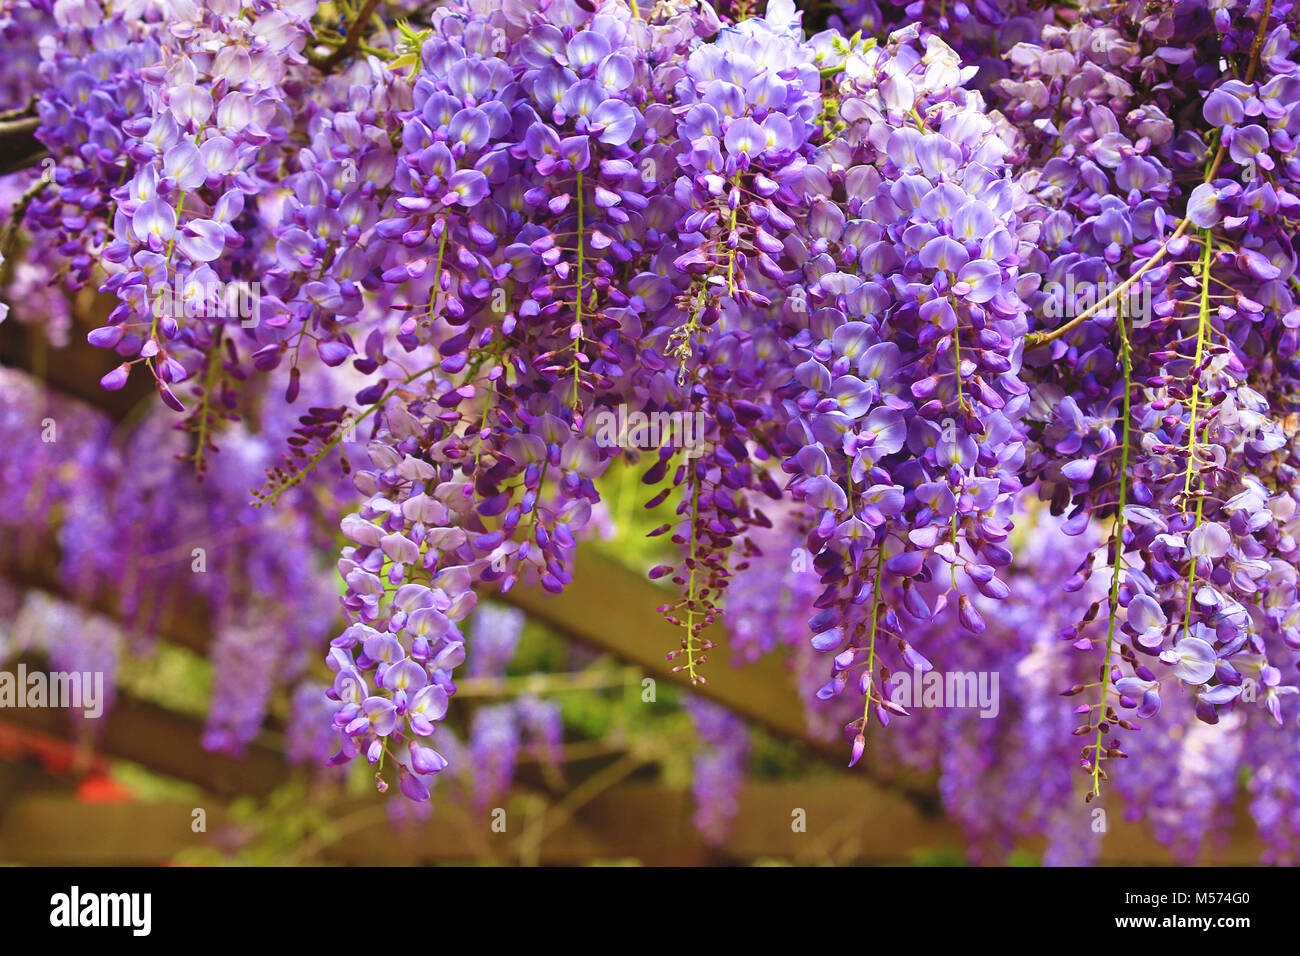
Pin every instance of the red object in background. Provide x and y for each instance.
(99, 787)
(59, 757)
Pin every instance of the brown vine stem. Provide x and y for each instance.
(1042, 338)
(1258, 45)
(350, 42)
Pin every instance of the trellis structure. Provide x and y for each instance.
(601, 814)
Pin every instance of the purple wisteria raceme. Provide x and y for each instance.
(906, 398)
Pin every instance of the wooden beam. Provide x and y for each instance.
(607, 606)
(76, 368)
(165, 742)
(19, 147)
(59, 830)
(845, 822)
(612, 608)
(181, 619)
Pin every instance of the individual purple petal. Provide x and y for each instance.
(889, 429)
(202, 240)
(852, 396)
(426, 760)
(982, 279)
(745, 138)
(1193, 660)
(1079, 469)
(1203, 206)
(116, 379)
(616, 121)
(944, 253)
(184, 163)
(381, 715)
(466, 187)
(1210, 540)
(1223, 108)
(155, 218)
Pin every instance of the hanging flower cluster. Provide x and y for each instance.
(907, 298)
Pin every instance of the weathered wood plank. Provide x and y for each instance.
(57, 830)
(847, 822)
(165, 742)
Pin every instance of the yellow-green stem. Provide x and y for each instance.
(961, 409)
(581, 239)
(871, 645)
(334, 442)
(731, 250)
(209, 383)
(437, 267)
(1126, 358)
(1202, 330)
(690, 587)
